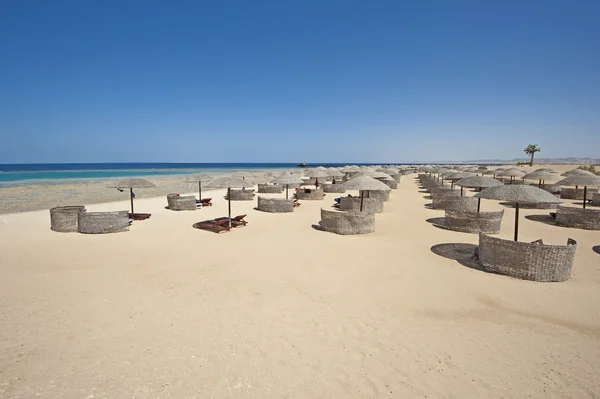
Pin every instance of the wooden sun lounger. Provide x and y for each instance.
(216, 226)
(296, 203)
(139, 216)
(205, 201)
(237, 221)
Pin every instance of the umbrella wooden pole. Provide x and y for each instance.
(362, 196)
(540, 183)
(451, 184)
(516, 221)
(200, 191)
(286, 191)
(478, 204)
(461, 191)
(131, 197)
(584, 196)
(229, 204)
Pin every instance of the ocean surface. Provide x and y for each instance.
(30, 174)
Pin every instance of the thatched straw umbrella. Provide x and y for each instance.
(243, 175)
(518, 194)
(577, 172)
(364, 183)
(200, 179)
(287, 180)
(541, 176)
(512, 173)
(457, 176)
(229, 183)
(578, 179)
(477, 182)
(333, 172)
(131, 184)
(316, 173)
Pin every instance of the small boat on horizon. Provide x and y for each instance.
(302, 165)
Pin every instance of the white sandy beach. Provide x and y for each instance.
(280, 309)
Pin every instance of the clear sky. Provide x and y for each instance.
(292, 81)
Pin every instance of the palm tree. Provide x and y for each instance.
(531, 149)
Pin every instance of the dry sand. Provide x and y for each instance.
(279, 309)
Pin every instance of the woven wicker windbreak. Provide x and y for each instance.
(178, 203)
(473, 221)
(371, 205)
(332, 188)
(103, 222)
(64, 219)
(315, 194)
(576, 193)
(275, 205)
(270, 189)
(347, 223)
(588, 219)
(382, 195)
(460, 204)
(596, 199)
(393, 184)
(241, 195)
(441, 198)
(527, 261)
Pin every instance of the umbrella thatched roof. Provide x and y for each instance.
(335, 173)
(545, 170)
(199, 178)
(350, 169)
(478, 181)
(580, 180)
(490, 173)
(365, 183)
(318, 173)
(132, 183)
(458, 175)
(243, 174)
(577, 172)
(230, 182)
(518, 193)
(287, 179)
(511, 172)
(260, 179)
(540, 175)
(321, 168)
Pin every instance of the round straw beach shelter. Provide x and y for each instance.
(64, 219)
(347, 223)
(202, 178)
(580, 180)
(103, 222)
(512, 173)
(366, 184)
(581, 218)
(528, 261)
(577, 172)
(477, 182)
(454, 177)
(131, 184)
(287, 180)
(352, 204)
(541, 176)
(518, 194)
(472, 220)
(270, 189)
(275, 205)
(175, 202)
(229, 183)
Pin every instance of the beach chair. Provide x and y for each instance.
(237, 221)
(205, 201)
(139, 216)
(216, 226)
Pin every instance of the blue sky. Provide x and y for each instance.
(291, 81)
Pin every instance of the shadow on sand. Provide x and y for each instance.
(596, 249)
(460, 252)
(546, 219)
